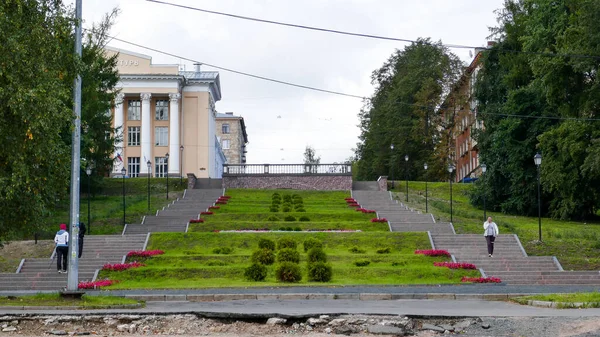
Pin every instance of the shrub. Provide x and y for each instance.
(286, 242)
(289, 218)
(266, 244)
(222, 250)
(286, 209)
(216, 263)
(288, 272)
(287, 198)
(282, 228)
(310, 243)
(316, 254)
(274, 209)
(297, 229)
(273, 218)
(319, 272)
(289, 229)
(276, 196)
(288, 255)
(356, 250)
(362, 263)
(399, 263)
(300, 210)
(256, 272)
(304, 218)
(263, 256)
(276, 202)
(385, 250)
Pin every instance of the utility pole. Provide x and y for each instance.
(73, 267)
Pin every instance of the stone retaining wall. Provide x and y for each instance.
(312, 182)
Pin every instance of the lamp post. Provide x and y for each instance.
(392, 166)
(537, 159)
(406, 160)
(181, 165)
(450, 170)
(123, 173)
(149, 164)
(483, 169)
(167, 159)
(425, 167)
(88, 171)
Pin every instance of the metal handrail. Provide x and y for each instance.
(287, 169)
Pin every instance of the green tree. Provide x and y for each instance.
(310, 156)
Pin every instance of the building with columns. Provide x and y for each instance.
(165, 119)
(231, 130)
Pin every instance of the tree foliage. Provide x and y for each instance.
(402, 112)
(533, 100)
(310, 156)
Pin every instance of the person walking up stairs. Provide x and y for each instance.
(61, 239)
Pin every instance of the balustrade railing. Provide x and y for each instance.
(287, 169)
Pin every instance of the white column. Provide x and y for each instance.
(174, 131)
(119, 134)
(146, 148)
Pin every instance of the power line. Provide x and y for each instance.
(240, 72)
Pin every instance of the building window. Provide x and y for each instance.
(161, 136)
(160, 167)
(134, 108)
(162, 110)
(133, 166)
(225, 144)
(133, 136)
(225, 128)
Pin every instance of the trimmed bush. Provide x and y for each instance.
(266, 244)
(385, 250)
(256, 272)
(274, 209)
(289, 218)
(263, 256)
(300, 210)
(215, 263)
(223, 250)
(282, 228)
(304, 218)
(273, 218)
(288, 255)
(276, 196)
(288, 272)
(319, 272)
(312, 243)
(276, 202)
(286, 242)
(287, 198)
(362, 263)
(356, 250)
(316, 255)
(297, 229)
(286, 209)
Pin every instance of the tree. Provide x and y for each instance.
(310, 156)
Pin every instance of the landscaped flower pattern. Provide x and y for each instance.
(96, 284)
(379, 220)
(214, 207)
(196, 220)
(274, 230)
(366, 211)
(122, 266)
(433, 252)
(206, 213)
(455, 265)
(481, 279)
(144, 253)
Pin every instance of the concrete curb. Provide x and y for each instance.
(69, 307)
(561, 305)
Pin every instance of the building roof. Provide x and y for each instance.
(211, 77)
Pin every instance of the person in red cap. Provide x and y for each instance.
(62, 248)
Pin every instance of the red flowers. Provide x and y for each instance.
(455, 265)
(122, 266)
(481, 279)
(214, 207)
(379, 220)
(433, 252)
(349, 199)
(96, 284)
(144, 253)
(221, 202)
(366, 211)
(354, 205)
(206, 213)
(196, 220)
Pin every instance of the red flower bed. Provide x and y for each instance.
(122, 266)
(206, 213)
(379, 220)
(144, 253)
(214, 207)
(196, 220)
(433, 252)
(96, 284)
(481, 279)
(368, 211)
(349, 199)
(354, 205)
(225, 197)
(221, 202)
(455, 265)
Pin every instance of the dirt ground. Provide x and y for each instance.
(12, 252)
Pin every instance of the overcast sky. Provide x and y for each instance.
(281, 120)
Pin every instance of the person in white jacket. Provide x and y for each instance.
(62, 248)
(490, 233)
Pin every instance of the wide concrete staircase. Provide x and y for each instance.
(176, 216)
(98, 250)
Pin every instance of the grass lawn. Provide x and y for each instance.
(190, 261)
(592, 300)
(87, 302)
(575, 244)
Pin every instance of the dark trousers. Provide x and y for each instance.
(80, 247)
(62, 253)
(490, 243)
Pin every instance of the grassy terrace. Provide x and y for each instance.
(575, 244)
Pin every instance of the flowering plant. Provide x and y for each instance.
(214, 207)
(227, 197)
(455, 265)
(366, 211)
(221, 202)
(379, 220)
(354, 205)
(122, 266)
(349, 199)
(144, 253)
(433, 252)
(196, 220)
(206, 213)
(96, 284)
(481, 279)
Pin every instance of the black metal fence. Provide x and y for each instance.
(286, 169)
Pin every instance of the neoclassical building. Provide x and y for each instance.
(166, 119)
(231, 130)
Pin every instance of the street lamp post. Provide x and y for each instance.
(406, 160)
(483, 169)
(167, 159)
(450, 170)
(149, 164)
(123, 173)
(425, 167)
(181, 165)
(88, 171)
(537, 159)
(392, 165)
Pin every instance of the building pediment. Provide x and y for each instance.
(129, 62)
